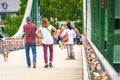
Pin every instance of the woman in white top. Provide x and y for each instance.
(70, 42)
(47, 40)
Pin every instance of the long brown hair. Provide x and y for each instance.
(45, 22)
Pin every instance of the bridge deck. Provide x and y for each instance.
(16, 69)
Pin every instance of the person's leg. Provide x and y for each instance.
(72, 55)
(59, 41)
(74, 39)
(51, 52)
(68, 52)
(64, 46)
(51, 55)
(45, 55)
(27, 48)
(55, 40)
(33, 47)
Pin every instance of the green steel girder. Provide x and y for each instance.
(110, 30)
(93, 38)
(103, 33)
(35, 12)
(102, 25)
(95, 22)
(102, 17)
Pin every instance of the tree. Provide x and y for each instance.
(12, 23)
(63, 10)
(60, 9)
(23, 5)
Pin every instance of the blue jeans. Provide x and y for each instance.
(27, 49)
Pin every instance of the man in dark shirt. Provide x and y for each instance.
(30, 40)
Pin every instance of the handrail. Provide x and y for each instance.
(20, 33)
(86, 72)
(112, 74)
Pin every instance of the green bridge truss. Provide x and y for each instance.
(35, 12)
(32, 9)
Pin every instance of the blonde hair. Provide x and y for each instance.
(45, 22)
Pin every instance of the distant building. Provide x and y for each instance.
(8, 7)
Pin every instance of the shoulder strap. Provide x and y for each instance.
(48, 29)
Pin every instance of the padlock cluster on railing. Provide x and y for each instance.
(97, 71)
(12, 44)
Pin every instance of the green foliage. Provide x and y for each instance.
(23, 5)
(63, 10)
(12, 23)
(60, 9)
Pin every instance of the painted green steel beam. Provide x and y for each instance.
(35, 12)
(110, 30)
(102, 26)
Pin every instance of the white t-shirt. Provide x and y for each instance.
(46, 33)
(71, 35)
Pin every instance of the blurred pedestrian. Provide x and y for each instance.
(60, 31)
(78, 38)
(55, 37)
(70, 42)
(47, 40)
(29, 30)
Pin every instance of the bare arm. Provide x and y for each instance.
(55, 30)
(37, 35)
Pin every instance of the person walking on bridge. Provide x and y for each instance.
(47, 40)
(29, 30)
(70, 42)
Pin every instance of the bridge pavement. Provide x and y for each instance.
(16, 69)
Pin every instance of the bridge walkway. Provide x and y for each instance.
(16, 69)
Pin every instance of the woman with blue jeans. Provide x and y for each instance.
(47, 40)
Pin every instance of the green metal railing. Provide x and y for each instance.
(105, 28)
(102, 23)
(116, 37)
